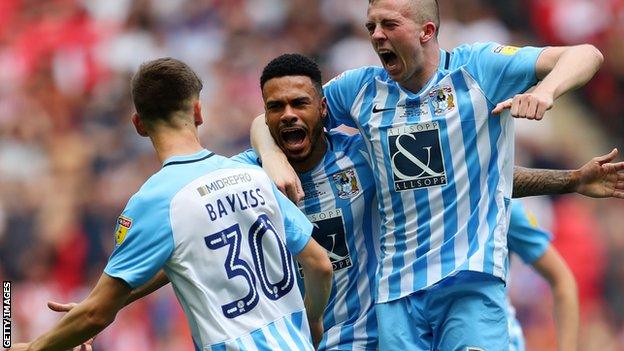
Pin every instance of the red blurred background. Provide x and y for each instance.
(69, 158)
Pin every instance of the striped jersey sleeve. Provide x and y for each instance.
(341, 93)
(143, 242)
(500, 70)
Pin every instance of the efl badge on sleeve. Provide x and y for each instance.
(347, 183)
(531, 218)
(506, 50)
(123, 225)
(442, 99)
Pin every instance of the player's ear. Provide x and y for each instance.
(197, 114)
(428, 32)
(138, 125)
(324, 109)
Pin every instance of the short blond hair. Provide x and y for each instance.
(423, 10)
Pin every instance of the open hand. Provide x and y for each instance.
(600, 178)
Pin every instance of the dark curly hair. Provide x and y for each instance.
(292, 65)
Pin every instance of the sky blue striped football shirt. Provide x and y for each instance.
(341, 203)
(442, 162)
(219, 229)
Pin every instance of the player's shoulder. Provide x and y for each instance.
(343, 141)
(248, 157)
(358, 75)
(174, 176)
(349, 145)
(466, 53)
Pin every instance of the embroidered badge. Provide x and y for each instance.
(347, 184)
(442, 99)
(506, 50)
(123, 225)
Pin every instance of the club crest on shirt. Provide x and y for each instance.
(442, 99)
(347, 183)
(123, 225)
(416, 156)
(329, 232)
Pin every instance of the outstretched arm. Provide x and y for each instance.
(157, 282)
(274, 161)
(560, 70)
(86, 319)
(597, 178)
(566, 305)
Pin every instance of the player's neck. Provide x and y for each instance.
(175, 143)
(431, 62)
(316, 156)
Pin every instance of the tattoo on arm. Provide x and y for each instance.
(532, 182)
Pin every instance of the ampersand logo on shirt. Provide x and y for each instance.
(329, 232)
(416, 156)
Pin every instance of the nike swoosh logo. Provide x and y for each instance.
(375, 109)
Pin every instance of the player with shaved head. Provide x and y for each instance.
(442, 156)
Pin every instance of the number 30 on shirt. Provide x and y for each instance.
(235, 266)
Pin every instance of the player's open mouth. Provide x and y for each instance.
(389, 58)
(293, 138)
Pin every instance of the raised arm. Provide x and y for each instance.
(566, 305)
(317, 276)
(559, 69)
(274, 161)
(597, 178)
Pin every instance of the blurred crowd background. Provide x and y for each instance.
(70, 159)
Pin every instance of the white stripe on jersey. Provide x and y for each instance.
(437, 226)
(271, 340)
(462, 189)
(363, 282)
(281, 325)
(477, 261)
(248, 343)
(378, 162)
(411, 242)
